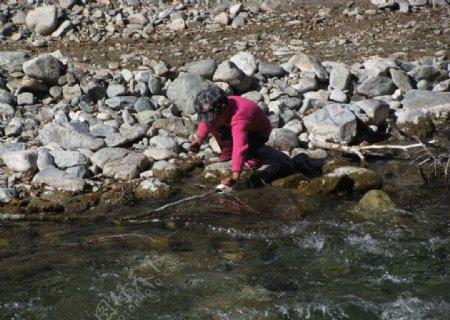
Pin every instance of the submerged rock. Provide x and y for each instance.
(376, 199)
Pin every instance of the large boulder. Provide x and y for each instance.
(376, 199)
(21, 161)
(42, 20)
(70, 135)
(66, 159)
(246, 62)
(431, 101)
(203, 68)
(126, 168)
(283, 139)
(228, 72)
(179, 126)
(126, 135)
(333, 121)
(308, 63)
(376, 86)
(46, 68)
(183, 90)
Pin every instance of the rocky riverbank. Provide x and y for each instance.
(77, 133)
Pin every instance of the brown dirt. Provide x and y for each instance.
(420, 33)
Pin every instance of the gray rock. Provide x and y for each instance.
(66, 159)
(376, 86)
(220, 168)
(65, 27)
(94, 90)
(305, 84)
(154, 85)
(164, 142)
(12, 61)
(228, 72)
(105, 155)
(443, 86)
(177, 25)
(126, 168)
(26, 98)
(7, 194)
(418, 2)
(14, 127)
(121, 102)
(158, 154)
(203, 68)
(45, 159)
(270, 70)
(183, 90)
(221, 18)
(294, 125)
(283, 139)
(19, 18)
(431, 101)
(7, 97)
(338, 96)
(79, 171)
(238, 22)
(46, 68)
(381, 4)
(127, 134)
(10, 147)
(340, 78)
(147, 116)
(21, 161)
(401, 80)
(425, 72)
(246, 62)
(143, 104)
(115, 90)
(378, 111)
(6, 110)
(180, 127)
(70, 92)
(153, 188)
(59, 179)
(103, 130)
(69, 136)
(403, 6)
(138, 18)
(67, 4)
(380, 66)
(42, 20)
(334, 121)
(307, 63)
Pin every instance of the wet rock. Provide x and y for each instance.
(292, 181)
(334, 121)
(69, 136)
(376, 86)
(153, 188)
(21, 161)
(46, 68)
(376, 199)
(59, 180)
(166, 171)
(184, 90)
(42, 20)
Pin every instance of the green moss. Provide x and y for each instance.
(291, 182)
(423, 129)
(331, 165)
(376, 199)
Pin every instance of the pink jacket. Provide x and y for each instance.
(245, 116)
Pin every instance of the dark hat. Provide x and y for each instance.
(209, 103)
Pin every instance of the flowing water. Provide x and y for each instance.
(333, 262)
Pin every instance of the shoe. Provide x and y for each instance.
(253, 163)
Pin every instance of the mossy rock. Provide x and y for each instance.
(36, 205)
(169, 175)
(189, 165)
(293, 181)
(364, 179)
(377, 199)
(70, 201)
(332, 165)
(423, 129)
(153, 188)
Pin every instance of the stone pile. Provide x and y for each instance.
(74, 127)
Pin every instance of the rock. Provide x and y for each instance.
(12, 61)
(6, 110)
(42, 20)
(44, 159)
(105, 155)
(401, 80)
(184, 89)
(10, 147)
(283, 139)
(66, 159)
(62, 29)
(305, 84)
(376, 199)
(7, 98)
(155, 153)
(153, 188)
(238, 22)
(338, 96)
(221, 18)
(138, 18)
(26, 98)
(443, 86)
(381, 4)
(121, 102)
(379, 66)
(376, 86)
(115, 90)
(59, 179)
(309, 64)
(69, 136)
(67, 4)
(164, 142)
(425, 72)
(228, 72)
(333, 121)
(126, 168)
(14, 127)
(177, 25)
(433, 102)
(418, 2)
(340, 78)
(246, 62)
(126, 135)
(180, 127)
(103, 130)
(203, 68)
(46, 68)
(292, 181)
(143, 104)
(270, 70)
(7, 194)
(21, 161)
(94, 90)
(154, 85)
(71, 92)
(79, 171)
(377, 110)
